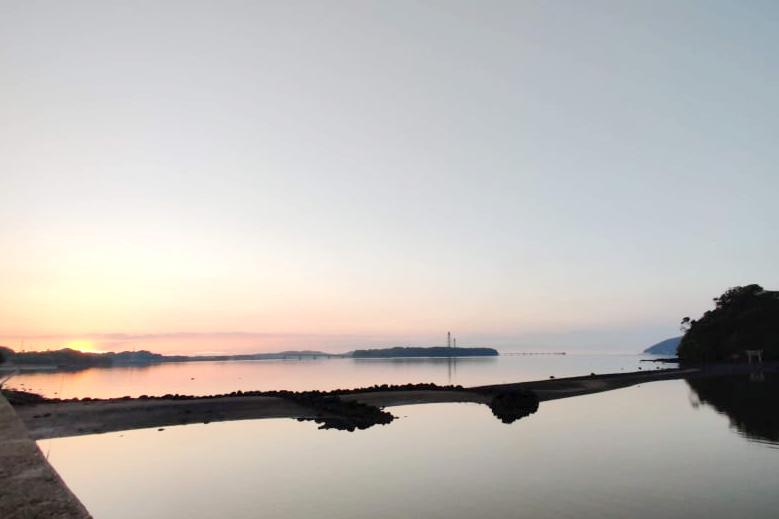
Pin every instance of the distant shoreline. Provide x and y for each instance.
(72, 360)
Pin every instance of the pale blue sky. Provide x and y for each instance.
(567, 174)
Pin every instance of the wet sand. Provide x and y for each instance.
(552, 389)
(73, 418)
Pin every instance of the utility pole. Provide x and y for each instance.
(448, 339)
(454, 342)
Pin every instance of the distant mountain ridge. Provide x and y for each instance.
(666, 347)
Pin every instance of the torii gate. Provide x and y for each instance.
(755, 354)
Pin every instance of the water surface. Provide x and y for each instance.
(204, 378)
(655, 450)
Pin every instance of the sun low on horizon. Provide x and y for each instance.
(83, 345)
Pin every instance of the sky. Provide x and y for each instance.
(228, 176)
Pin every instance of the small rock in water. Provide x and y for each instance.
(161, 429)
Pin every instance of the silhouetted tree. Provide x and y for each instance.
(744, 318)
(685, 324)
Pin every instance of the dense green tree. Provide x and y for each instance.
(744, 318)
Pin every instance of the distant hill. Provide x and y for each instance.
(743, 318)
(70, 359)
(436, 351)
(666, 347)
(73, 359)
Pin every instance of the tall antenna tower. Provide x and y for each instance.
(448, 339)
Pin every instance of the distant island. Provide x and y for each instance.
(436, 351)
(70, 359)
(666, 347)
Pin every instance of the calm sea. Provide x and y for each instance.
(672, 449)
(208, 378)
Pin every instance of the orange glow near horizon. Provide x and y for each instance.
(83, 346)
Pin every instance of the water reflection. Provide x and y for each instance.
(751, 402)
(510, 406)
(432, 363)
(217, 377)
(641, 452)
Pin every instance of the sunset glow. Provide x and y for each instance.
(389, 259)
(487, 185)
(83, 346)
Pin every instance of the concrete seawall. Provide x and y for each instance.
(29, 487)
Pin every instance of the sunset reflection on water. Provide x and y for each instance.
(205, 378)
